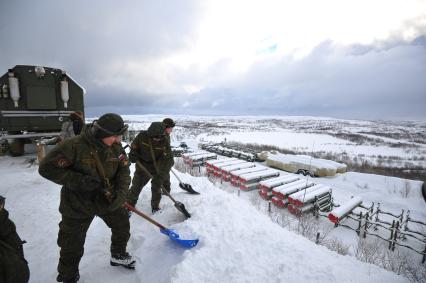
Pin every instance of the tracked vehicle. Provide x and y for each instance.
(34, 103)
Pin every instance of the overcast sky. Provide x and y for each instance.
(348, 59)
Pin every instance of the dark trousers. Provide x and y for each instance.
(13, 266)
(140, 179)
(72, 235)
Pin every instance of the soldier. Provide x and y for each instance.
(74, 126)
(94, 173)
(13, 266)
(152, 149)
(169, 124)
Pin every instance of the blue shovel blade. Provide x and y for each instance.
(175, 237)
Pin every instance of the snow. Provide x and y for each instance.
(318, 166)
(344, 209)
(237, 242)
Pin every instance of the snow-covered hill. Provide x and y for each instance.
(237, 242)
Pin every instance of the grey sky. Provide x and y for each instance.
(195, 57)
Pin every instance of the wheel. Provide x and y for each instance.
(17, 148)
(300, 171)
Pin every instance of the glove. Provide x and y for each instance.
(133, 157)
(109, 195)
(90, 183)
(116, 202)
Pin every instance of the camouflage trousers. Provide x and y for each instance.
(72, 235)
(13, 266)
(140, 179)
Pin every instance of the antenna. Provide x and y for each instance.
(307, 175)
(310, 166)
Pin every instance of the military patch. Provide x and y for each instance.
(123, 159)
(62, 162)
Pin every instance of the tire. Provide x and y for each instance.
(17, 148)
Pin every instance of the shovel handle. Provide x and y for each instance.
(174, 173)
(140, 213)
(138, 163)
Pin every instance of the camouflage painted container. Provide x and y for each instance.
(37, 99)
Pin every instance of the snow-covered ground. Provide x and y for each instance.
(237, 242)
(387, 143)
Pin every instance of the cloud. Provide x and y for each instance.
(168, 57)
(344, 81)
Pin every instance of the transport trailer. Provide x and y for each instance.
(218, 168)
(250, 181)
(198, 160)
(188, 155)
(266, 186)
(339, 213)
(309, 197)
(308, 207)
(235, 175)
(281, 203)
(284, 191)
(211, 163)
(294, 197)
(226, 173)
(280, 194)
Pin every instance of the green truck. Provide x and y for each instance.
(34, 103)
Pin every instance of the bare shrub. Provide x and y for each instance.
(283, 219)
(415, 271)
(336, 245)
(309, 226)
(256, 200)
(369, 251)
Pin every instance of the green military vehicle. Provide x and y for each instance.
(34, 103)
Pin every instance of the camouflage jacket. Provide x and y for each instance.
(163, 156)
(13, 266)
(70, 160)
(8, 233)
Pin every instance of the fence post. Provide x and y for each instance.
(317, 239)
(395, 235)
(358, 231)
(365, 226)
(391, 235)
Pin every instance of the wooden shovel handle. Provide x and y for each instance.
(140, 213)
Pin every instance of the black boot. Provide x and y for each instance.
(74, 279)
(156, 210)
(122, 259)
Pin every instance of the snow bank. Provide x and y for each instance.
(237, 242)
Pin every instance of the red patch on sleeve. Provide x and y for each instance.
(62, 162)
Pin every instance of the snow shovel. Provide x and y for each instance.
(179, 206)
(184, 186)
(170, 233)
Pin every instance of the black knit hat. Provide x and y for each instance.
(156, 129)
(109, 124)
(169, 123)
